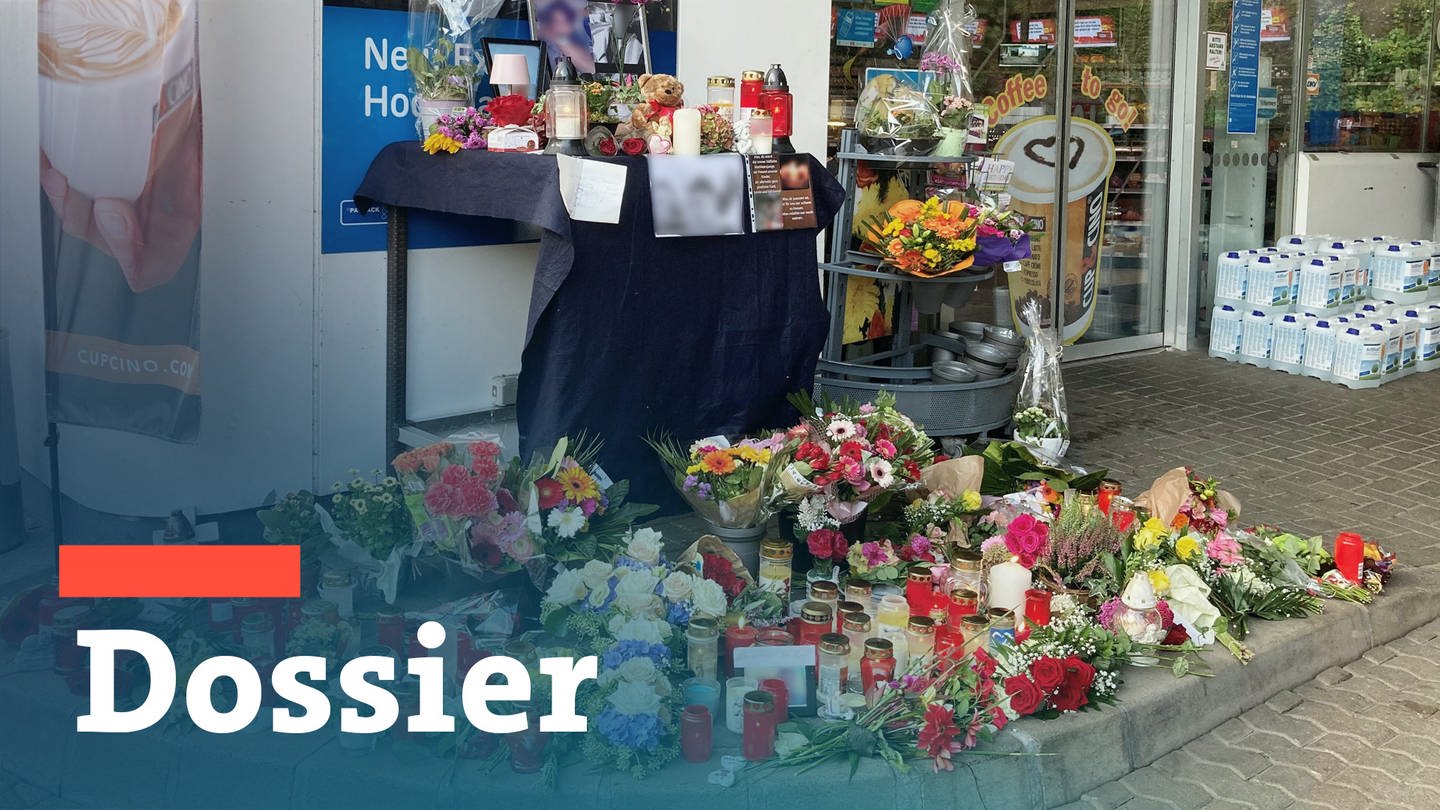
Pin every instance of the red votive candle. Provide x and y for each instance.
(759, 731)
(696, 729)
(781, 694)
(1349, 555)
(920, 590)
(1037, 606)
(735, 638)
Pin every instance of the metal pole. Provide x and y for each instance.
(1064, 76)
(397, 289)
(12, 505)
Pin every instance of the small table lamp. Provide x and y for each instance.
(512, 71)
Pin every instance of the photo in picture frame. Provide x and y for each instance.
(535, 57)
(600, 38)
(793, 664)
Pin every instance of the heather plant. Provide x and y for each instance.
(1079, 537)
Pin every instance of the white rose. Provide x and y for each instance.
(678, 586)
(637, 582)
(643, 605)
(640, 629)
(596, 598)
(567, 589)
(596, 575)
(639, 670)
(709, 599)
(632, 697)
(645, 546)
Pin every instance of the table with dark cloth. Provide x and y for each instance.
(629, 334)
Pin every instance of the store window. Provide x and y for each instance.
(1370, 76)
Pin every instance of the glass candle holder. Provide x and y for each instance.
(857, 630)
(1001, 627)
(696, 733)
(735, 690)
(1037, 607)
(919, 590)
(702, 692)
(858, 590)
(762, 132)
(720, 94)
(339, 587)
(877, 668)
(759, 733)
(776, 567)
(816, 619)
(976, 630)
(920, 638)
(702, 651)
(834, 669)
(742, 635)
(257, 635)
(774, 637)
(780, 697)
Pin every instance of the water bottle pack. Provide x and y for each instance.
(1354, 312)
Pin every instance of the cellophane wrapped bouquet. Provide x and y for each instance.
(730, 484)
(1041, 421)
(947, 48)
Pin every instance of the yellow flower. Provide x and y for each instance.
(932, 254)
(1150, 535)
(437, 143)
(893, 227)
(577, 484)
(1186, 547)
(970, 500)
(1160, 581)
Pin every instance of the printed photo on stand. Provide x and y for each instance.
(620, 39)
(564, 27)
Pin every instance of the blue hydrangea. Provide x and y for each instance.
(637, 732)
(679, 613)
(623, 651)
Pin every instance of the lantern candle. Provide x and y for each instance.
(1349, 555)
(920, 590)
(1037, 606)
(685, 125)
(741, 635)
(759, 735)
(1008, 583)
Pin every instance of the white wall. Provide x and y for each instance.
(724, 38)
(1364, 194)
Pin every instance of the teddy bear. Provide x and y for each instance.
(663, 96)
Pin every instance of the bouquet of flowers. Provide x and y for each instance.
(1042, 422)
(845, 457)
(729, 485)
(455, 131)
(372, 514)
(928, 240)
(717, 133)
(946, 520)
(293, 521)
(631, 613)
(954, 112)
(827, 548)
(894, 117)
(876, 561)
(932, 715)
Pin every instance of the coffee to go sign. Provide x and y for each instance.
(1019, 90)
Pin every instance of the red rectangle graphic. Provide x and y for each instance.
(179, 571)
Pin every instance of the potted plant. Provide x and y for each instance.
(294, 521)
(1042, 431)
(441, 85)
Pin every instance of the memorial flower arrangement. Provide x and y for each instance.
(294, 521)
(631, 613)
(717, 133)
(844, 457)
(926, 239)
(946, 520)
(729, 485)
(876, 561)
(828, 548)
(372, 513)
(931, 715)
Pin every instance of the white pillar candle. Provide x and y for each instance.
(685, 139)
(1008, 583)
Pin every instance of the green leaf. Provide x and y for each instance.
(1181, 667)
(557, 455)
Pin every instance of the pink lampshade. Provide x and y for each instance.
(510, 68)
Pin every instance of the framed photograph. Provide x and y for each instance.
(795, 665)
(535, 59)
(600, 38)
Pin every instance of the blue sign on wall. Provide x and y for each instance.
(1243, 107)
(365, 104)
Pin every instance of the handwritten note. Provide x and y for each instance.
(592, 189)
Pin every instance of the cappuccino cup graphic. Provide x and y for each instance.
(110, 71)
(1090, 159)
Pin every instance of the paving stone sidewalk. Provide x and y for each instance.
(1312, 457)
(1365, 735)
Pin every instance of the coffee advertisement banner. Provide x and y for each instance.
(1089, 161)
(120, 172)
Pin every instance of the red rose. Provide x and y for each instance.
(999, 718)
(1025, 696)
(511, 110)
(607, 147)
(633, 146)
(1070, 697)
(550, 492)
(821, 543)
(1176, 635)
(1079, 672)
(1048, 672)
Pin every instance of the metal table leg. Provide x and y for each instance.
(397, 289)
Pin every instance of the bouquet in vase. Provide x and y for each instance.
(845, 457)
(729, 485)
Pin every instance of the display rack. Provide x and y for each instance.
(943, 408)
